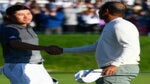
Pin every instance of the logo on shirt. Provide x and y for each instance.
(12, 37)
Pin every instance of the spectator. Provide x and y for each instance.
(28, 3)
(145, 5)
(139, 19)
(38, 18)
(70, 19)
(98, 4)
(89, 20)
(54, 20)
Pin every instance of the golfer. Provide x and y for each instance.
(23, 61)
(117, 49)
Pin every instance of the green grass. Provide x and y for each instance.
(68, 78)
(69, 62)
(73, 62)
(145, 54)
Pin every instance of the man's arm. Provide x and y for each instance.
(25, 46)
(89, 48)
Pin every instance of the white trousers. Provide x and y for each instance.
(22, 73)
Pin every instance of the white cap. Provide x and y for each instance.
(88, 76)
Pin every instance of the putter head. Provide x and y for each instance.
(88, 76)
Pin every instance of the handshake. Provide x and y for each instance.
(53, 50)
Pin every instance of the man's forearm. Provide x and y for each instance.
(25, 46)
(82, 49)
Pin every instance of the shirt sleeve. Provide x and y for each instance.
(82, 49)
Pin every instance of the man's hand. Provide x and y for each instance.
(54, 50)
(110, 70)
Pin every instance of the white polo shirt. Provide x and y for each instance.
(118, 44)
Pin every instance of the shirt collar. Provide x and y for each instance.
(18, 26)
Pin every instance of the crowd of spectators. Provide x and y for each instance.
(68, 17)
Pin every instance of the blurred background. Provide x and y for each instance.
(78, 16)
